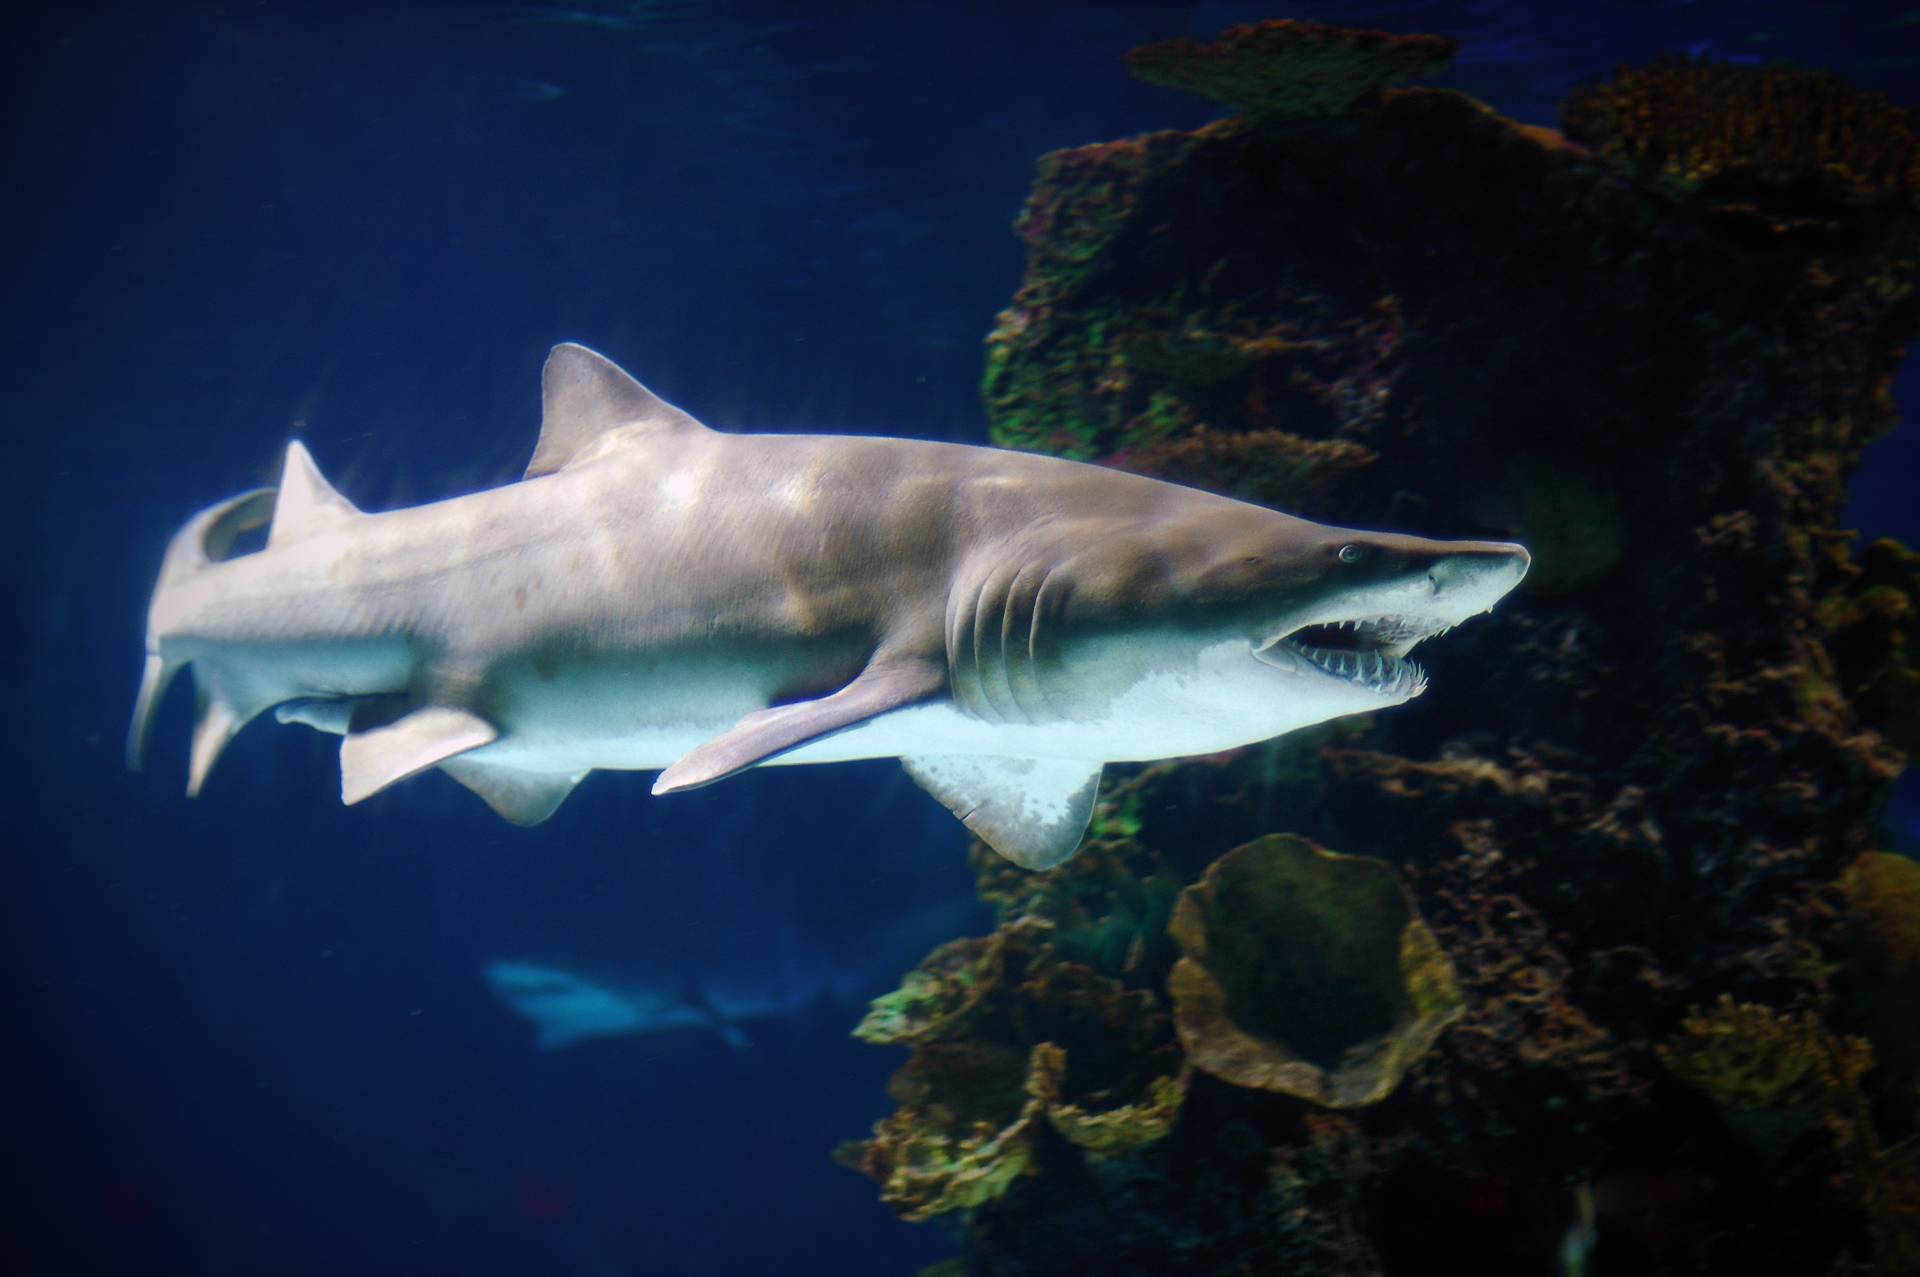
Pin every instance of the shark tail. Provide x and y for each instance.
(207, 538)
(304, 502)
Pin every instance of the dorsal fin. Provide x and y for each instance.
(582, 396)
(307, 502)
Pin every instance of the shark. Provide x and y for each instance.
(777, 975)
(564, 1007)
(657, 595)
(768, 972)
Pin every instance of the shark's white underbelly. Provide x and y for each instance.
(609, 721)
(937, 728)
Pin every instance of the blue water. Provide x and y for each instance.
(249, 1032)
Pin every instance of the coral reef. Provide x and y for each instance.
(1285, 69)
(1306, 973)
(1636, 810)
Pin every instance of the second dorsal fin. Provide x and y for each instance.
(583, 395)
(307, 503)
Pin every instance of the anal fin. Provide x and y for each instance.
(372, 758)
(523, 797)
(1033, 811)
(882, 686)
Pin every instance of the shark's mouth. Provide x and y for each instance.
(1369, 653)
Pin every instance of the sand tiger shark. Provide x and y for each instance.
(565, 1008)
(658, 595)
(785, 981)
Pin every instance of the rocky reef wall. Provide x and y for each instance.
(1592, 956)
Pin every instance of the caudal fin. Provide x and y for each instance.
(303, 504)
(207, 538)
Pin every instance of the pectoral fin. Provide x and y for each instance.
(882, 686)
(1033, 811)
(374, 757)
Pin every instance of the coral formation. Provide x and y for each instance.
(1283, 69)
(1793, 1092)
(1880, 893)
(1306, 973)
(1872, 626)
(1012, 1038)
(1692, 127)
(964, 1129)
(1111, 1132)
(1749, 1057)
(1636, 808)
(937, 998)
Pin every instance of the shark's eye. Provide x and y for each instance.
(1352, 553)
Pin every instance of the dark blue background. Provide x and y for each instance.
(248, 1031)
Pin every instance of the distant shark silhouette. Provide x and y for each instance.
(656, 594)
(565, 1008)
(790, 981)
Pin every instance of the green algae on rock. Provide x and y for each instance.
(1307, 972)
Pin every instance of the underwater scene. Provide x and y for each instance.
(964, 640)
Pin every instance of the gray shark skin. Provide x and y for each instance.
(656, 595)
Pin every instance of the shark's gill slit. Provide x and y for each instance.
(1016, 648)
(989, 642)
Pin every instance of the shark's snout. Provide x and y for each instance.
(1480, 576)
